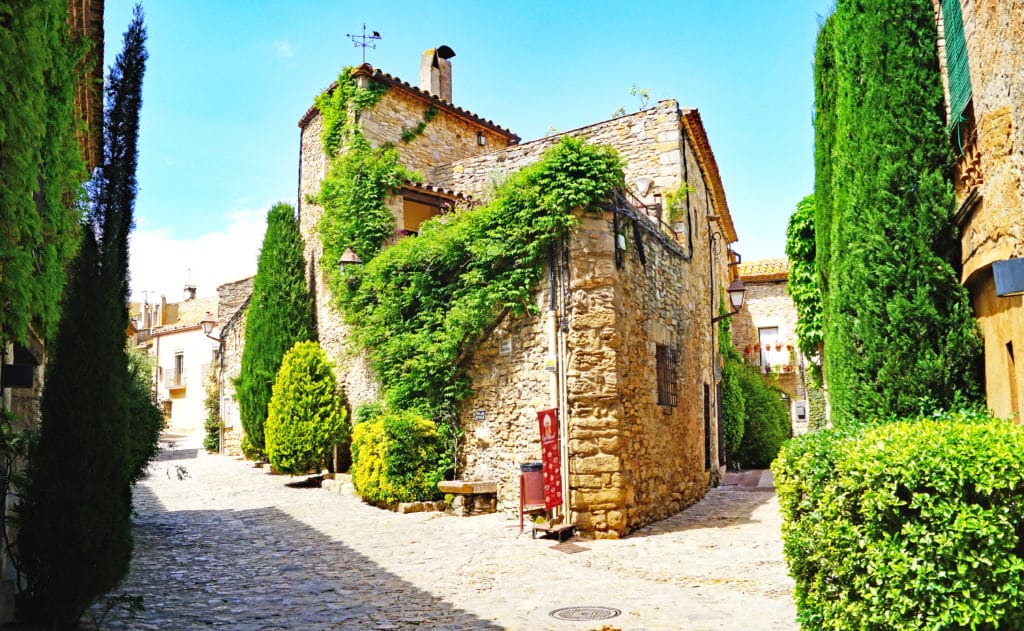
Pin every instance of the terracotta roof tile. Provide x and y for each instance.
(438, 190)
(378, 75)
(702, 147)
(764, 269)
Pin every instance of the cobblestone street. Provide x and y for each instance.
(220, 544)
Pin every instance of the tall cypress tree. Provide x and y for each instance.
(75, 538)
(899, 334)
(280, 314)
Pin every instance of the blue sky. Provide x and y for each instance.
(227, 82)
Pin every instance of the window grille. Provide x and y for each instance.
(665, 360)
(957, 69)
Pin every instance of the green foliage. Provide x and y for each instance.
(42, 170)
(212, 425)
(418, 306)
(408, 135)
(306, 416)
(898, 330)
(734, 408)
(766, 425)
(397, 458)
(145, 420)
(354, 195)
(802, 285)
(75, 532)
(280, 314)
(16, 444)
(816, 412)
(907, 525)
(338, 106)
(367, 412)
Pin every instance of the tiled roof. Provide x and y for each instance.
(437, 190)
(765, 269)
(378, 75)
(695, 129)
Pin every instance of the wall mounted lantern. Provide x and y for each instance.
(207, 324)
(736, 293)
(349, 258)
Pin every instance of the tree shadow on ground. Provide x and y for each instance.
(262, 569)
(722, 507)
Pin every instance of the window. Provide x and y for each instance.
(665, 360)
(957, 69)
(179, 368)
(768, 338)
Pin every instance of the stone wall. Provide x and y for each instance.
(630, 461)
(767, 304)
(232, 302)
(990, 183)
(448, 137)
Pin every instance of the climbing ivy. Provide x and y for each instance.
(429, 114)
(420, 305)
(802, 285)
(41, 168)
(360, 179)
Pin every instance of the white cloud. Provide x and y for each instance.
(162, 264)
(283, 48)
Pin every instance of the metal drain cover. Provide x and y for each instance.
(584, 613)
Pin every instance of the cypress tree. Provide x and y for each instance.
(899, 335)
(280, 314)
(75, 538)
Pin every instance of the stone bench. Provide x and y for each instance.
(471, 497)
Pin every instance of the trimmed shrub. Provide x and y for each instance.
(734, 408)
(766, 425)
(906, 525)
(397, 458)
(306, 417)
(145, 420)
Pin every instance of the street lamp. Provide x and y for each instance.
(736, 292)
(207, 324)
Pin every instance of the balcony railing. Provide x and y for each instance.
(174, 381)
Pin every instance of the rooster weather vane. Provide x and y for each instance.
(365, 41)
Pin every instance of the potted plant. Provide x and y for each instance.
(778, 346)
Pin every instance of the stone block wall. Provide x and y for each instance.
(232, 301)
(448, 137)
(990, 183)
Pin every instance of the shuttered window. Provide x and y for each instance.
(956, 60)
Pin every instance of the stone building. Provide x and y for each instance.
(233, 302)
(624, 345)
(764, 333)
(981, 52)
(173, 335)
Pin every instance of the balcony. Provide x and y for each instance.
(175, 381)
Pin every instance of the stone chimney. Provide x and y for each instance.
(190, 292)
(436, 72)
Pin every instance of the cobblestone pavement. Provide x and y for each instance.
(220, 544)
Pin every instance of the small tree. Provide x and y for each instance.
(145, 420)
(212, 424)
(280, 314)
(397, 457)
(306, 417)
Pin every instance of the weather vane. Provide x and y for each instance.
(364, 40)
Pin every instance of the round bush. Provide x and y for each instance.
(396, 457)
(909, 525)
(305, 418)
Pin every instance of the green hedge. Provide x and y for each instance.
(397, 457)
(305, 418)
(908, 525)
(766, 424)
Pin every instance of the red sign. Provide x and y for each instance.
(551, 455)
